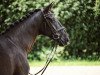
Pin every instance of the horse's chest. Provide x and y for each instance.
(22, 63)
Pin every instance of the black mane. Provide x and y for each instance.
(20, 20)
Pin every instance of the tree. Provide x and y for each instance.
(80, 17)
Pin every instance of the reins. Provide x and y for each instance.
(56, 36)
(49, 59)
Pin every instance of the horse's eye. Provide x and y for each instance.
(51, 19)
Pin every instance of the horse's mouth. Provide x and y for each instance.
(63, 42)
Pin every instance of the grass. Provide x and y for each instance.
(66, 63)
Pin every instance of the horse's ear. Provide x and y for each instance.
(48, 8)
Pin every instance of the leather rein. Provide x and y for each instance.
(49, 59)
(55, 36)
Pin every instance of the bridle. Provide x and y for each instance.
(55, 32)
(56, 36)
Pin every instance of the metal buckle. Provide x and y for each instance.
(56, 36)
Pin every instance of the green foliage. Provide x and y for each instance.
(80, 17)
(66, 63)
(97, 7)
(83, 27)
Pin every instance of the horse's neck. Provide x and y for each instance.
(24, 35)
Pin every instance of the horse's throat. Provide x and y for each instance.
(30, 45)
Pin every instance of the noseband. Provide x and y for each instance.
(55, 32)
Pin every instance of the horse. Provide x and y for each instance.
(17, 41)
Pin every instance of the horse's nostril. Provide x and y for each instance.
(67, 40)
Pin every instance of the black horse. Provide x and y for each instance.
(17, 41)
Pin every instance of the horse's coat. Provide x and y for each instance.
(17, 41)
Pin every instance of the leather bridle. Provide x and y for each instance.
(55, 32)
(56, 36)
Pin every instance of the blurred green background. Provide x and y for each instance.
(80, 17)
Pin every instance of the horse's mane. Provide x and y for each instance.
(20, 20)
